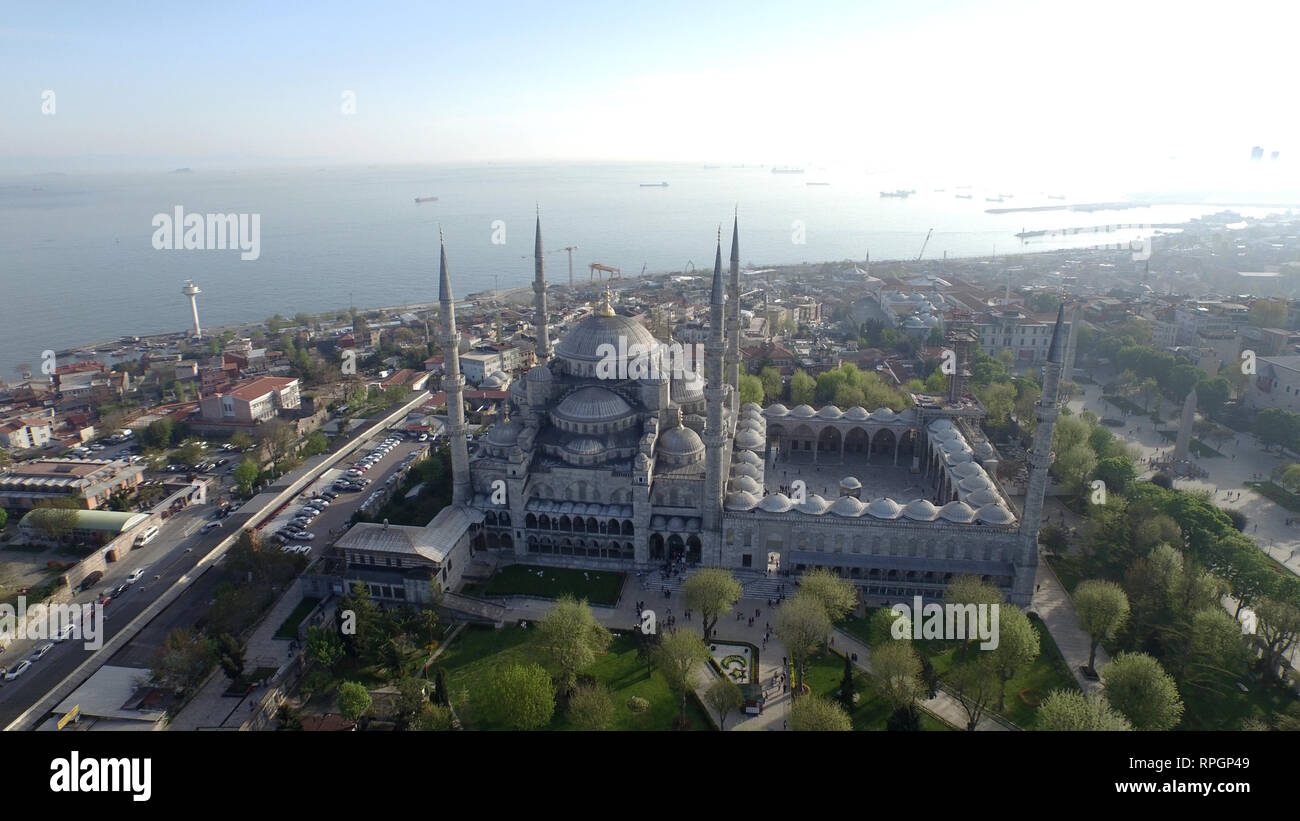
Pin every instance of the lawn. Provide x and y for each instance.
(597, 587)
(241, 685)
(479, 654)
(1023, 692)
(1197, 446)
(824, 673)
(1228, 708)
(1278, 494)
(289, 629)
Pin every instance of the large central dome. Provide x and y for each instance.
(585, 342)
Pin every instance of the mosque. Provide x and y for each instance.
(602, 467)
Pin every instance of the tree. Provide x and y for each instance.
(183, 659)
(434, 718)
(1102, 609)
(1277, 630)
(724, 698)
(1072, 711)
(803, 388)
(1018, 646)
(241, 440)
(316, 444)
(158, 434)
(324, 647)
(837, 596)
(751, 389)
(440, 693)
(712, 591)
(1212, 393)
(881, 630)
(410, 701)
(590, 707)
(54, 518)
(277, 438)
(245, 474)
(1116, 472)
(520, 698)
(813, 713)
(354, 700)
(897, 668)
(569, 638)
(676, 656)
(802, 626)
(1143, 692)
(975, 684)
(847, 694)
(1216, 654)
(773, 384)
(1074, 466)
(1268, 313)
(230, 655)
(970, 590)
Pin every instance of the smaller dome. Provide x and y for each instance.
(775, 503)
(751, 407)
(540, 373)
(494, 380)
(746, 484)
(850, 483)
(741, 501)
(745, 470)
(920, 510)
(776, 410)
(814, 505)
(585, 446)
(979, 498)
(857, 413)
(957, 457)
(680, 444)
(830, 412)
(943, 434)
(749, 440)
(966, 469)
(885, 508)
(749, 457)
(505, 434)
(958, 512)
(751, 424)
(803, 412)
(994, 515)
(941, 424)
(658, 522)
(975, 483)
(676, 523)
(954, 445)
(848, 507)
(883, 415)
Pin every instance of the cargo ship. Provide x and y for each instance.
(899, 193)
(786, 170)
(654, 185)
(426, 199)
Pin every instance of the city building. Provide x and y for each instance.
(88, 481)
(25, 433)
(250, 402)
(1026, 335)
(1276, 383)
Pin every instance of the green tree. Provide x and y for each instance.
(434, 718)
(881, 630)
(773, 384)
(1018, 646)
(813, 713)
(1073, 711)
(803, 388)
(802, 626)
(316, 444)
(1116, 472)
(751, 389)
(1277, 630)
(712, 591)
(324, 647)
(158, 434)
(183, 659)
(590, 707)
(897, 669)
(354, 700)
(1143, 692)
(410, 701)
(53, 518)
(723, 697)
(245, 474)
(847, 694)
(836, 596)
(1102, 609)
(1268, 313)
(676, 656)
(976, 685)
(241, 440)
(569, 638)
(230, 655)
(520, 698)
(1074, 466)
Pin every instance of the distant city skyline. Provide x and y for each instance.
(1004, 85)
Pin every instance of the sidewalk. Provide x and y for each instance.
(1055, 607)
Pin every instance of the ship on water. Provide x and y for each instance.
(784, 169)
(654, 185)
(426, 199)
(900, 193)
(962, 196)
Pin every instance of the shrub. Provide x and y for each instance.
(637, 704)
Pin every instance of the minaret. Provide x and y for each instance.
(539, 299)
(1040, 459)
(733, 315)
(714, 436)
(191, 290)
(453, 384)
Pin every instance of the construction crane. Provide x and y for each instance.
(569, 248)
(927, 242)
(597, 271)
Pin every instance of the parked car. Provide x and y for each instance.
(91, 580)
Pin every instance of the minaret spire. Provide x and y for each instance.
(717, 455)
(453, 384)
(1040, 460)
(733, 314)
(539, 296)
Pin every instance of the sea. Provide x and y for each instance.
(78, 263)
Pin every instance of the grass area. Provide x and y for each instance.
(1125, 404)
(478, 655)
(597, 587)
(1068, 569)
(824, 673)
(1227, 708)
(1277, 493)
(1023, 692)
(289, 629)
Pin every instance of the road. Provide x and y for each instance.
(173, 553)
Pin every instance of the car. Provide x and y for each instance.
(329, 495)
(135, 575)
(281, 538)
(424, 437)
(319, 501)
(64, 632)
(209, 527)
(18, 671)
(40, 650)
(121, 588)
(91, 580)
(305, 535)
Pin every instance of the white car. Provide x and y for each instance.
(135, 575)
(41, 650)
(18, 671)
(67, 630)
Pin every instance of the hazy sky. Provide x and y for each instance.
(867, 84)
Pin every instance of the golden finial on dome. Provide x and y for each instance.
(606, 308)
